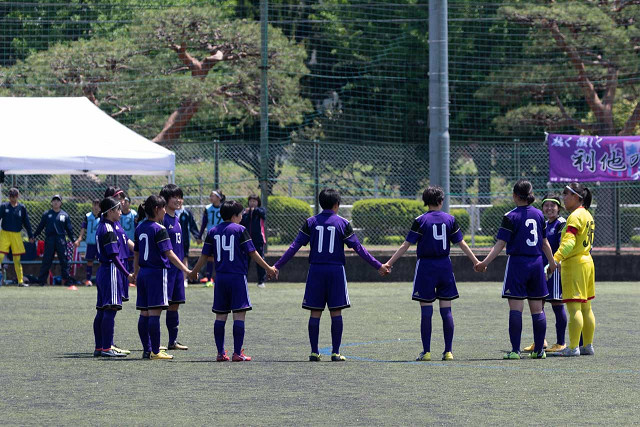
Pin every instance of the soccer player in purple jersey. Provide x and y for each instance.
(228, 244)
(110, 278)
(89, 226)
(326, 281)
(175, 285)
(433, 231)
(555, 224)
(523, 231)
(153, 255)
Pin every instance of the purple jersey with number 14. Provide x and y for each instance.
(524, 229)
(229, 244)
(434, 231)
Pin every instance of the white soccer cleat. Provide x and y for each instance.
(587, 350)
(567, 352)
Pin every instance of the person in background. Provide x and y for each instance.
(128, 223)
(253, 219)
(90, 225)
(210, 218)
(14, 217)
(56, 223)
(188, 225)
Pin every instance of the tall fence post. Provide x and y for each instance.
(264, 111)
(439, 149)
(616, 220)
(316, 176)
(216, 164)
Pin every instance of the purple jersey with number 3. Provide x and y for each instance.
(229, 244)
(434, 231)
(524, 229)
(151, 242)
(172, 224)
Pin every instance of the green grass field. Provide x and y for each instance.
(48, 374)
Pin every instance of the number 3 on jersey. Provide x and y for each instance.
(534, 231)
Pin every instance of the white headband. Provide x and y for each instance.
(217, 194)
(573, 191)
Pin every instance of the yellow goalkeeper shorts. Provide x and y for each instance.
(578, 280)
(11, 240)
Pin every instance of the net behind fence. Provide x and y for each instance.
(348, 99)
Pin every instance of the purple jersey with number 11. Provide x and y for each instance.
(229, 244)
(524, 229)
(434, 231)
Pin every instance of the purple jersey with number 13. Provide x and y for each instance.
(434, 231)
(229, 244)
(523, 228)
(172, 224)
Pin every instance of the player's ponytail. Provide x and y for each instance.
(586, 199)
(524, 191)
(148, 208)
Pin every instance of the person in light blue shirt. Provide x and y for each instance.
(128, 223)
(90, 226)
(211, 218)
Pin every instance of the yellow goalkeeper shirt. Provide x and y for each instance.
(580, 224)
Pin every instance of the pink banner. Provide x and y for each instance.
(593, 158)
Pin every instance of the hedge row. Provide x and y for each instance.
(384, 217)
(285, 217)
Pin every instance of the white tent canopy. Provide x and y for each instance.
(73, 136)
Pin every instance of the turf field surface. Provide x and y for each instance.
(49, 376)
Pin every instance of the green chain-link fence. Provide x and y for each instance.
(348, 106)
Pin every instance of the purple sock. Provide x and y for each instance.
(218, 334)
(314, 333)
(154, 333)
(447, 327)
(209, 270)
(143, 332)
(425, 326)
(336, 333)
(515, 329)
(238, 336)
(539, 331)
(173, 320)
(108, 324)
(97, 328)
(561, 322)
(89, 272)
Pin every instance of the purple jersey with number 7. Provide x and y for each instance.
(151, 242)
(434, 231)
(229, 244)
(524, 229)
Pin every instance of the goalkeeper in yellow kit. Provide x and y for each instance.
(577, 272)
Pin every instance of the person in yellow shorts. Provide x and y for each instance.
(577, 271)
(14, 217)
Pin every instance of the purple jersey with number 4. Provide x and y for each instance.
(434, 231)
(151, 242)
(524, 229)
(172, 224)
(229, 244)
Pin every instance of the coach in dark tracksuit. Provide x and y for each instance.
(253, 220)
(56, 223)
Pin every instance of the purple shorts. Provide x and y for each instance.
(433, 280)
(124, 285)
(554, 285)
(230, 293)
(152, 288)
(175, 286)
(326, 285)
(524, 278)
(91, 253)
(108, 284)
